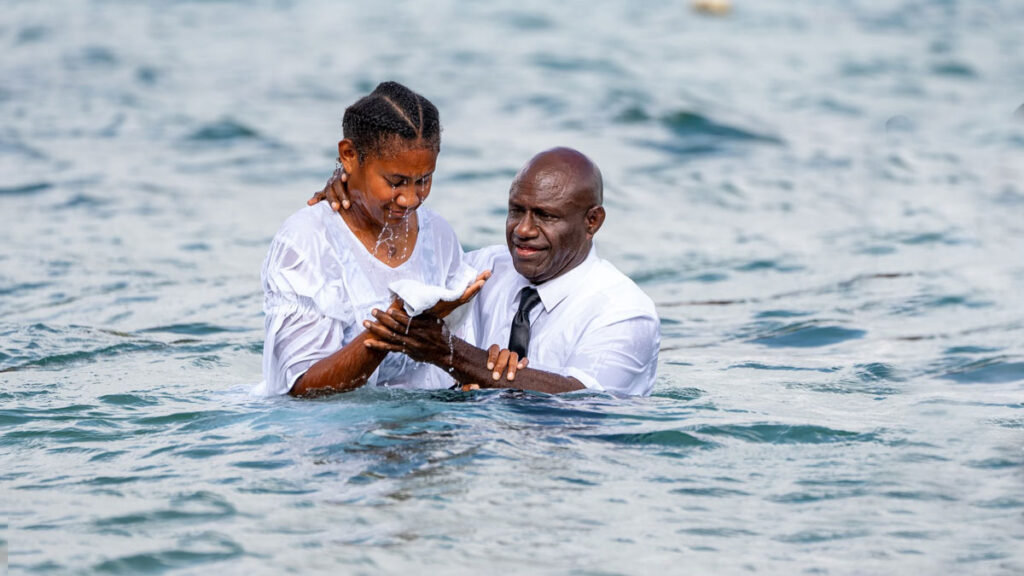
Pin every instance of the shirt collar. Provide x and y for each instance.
(557, 289)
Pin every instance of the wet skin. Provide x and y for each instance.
(384, 193)
(553, 214)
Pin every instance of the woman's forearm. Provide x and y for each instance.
(346, 369)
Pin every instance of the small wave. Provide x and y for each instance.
(877, 371)
(264, 464)
(131, 400)
(869, 68)
(632, 115)
(21, 288)
(955, 70)
(193, 329)
(147, 75)
(32, 33)
(817, 536)
(15, 417)
(846, 386)
(563, 64)
(781, 314)
(684, 394)
(710, 492)
(1001, 503)
(686, 124)
(70, 435)
(224, 130)
(198, 550)
(804, 497)
(83, 200)
(666, 438)
(195, 421)
(807, 335)
(201, 505)
(919, 495)
(25, 189)
(784, 434)
(98, 56)
(758, 265)
(914, 534)
(996, 463)
(60, 360)
(526, 21)
(987, 371)
(783, 367)
(725, 532)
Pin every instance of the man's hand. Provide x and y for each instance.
(335, 192)
(425, 338)
(445, 307)
(500, 360)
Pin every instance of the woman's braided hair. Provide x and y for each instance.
(391, 114)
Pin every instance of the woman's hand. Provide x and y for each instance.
(445, 307)
(501, 360)
(424, 338)
(335, 192)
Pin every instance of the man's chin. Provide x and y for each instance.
(525, 269)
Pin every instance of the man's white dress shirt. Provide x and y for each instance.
(594, 324)
(320, 283)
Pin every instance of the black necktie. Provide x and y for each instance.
(519, 337)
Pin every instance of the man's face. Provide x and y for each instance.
(546, 228)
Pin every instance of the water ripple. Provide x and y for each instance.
(197, 550)
(785, 434)
(665, 438)
(807, 334)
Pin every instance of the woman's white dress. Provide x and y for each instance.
(320, 283)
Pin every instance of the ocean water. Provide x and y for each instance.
(824, 199)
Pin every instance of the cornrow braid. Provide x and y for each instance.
(391, 112)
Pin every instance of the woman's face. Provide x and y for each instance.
(386, 189)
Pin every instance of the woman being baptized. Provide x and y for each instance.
(326, 272)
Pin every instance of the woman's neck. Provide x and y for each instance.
(391, 243)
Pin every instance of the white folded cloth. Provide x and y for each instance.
(420, 297)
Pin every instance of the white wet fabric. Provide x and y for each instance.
(320, 283)
(420, 297)
(595, 324)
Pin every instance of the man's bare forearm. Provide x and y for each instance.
(468, 365)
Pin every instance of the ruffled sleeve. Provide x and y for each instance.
(300, 326)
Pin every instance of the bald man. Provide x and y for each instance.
(581, 322)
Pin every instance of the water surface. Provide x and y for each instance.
(824, 200)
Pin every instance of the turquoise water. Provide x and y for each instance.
(825, 200)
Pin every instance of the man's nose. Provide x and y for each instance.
(526, 228)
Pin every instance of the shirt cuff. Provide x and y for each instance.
(586, 379)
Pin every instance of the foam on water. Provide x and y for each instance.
(824, 201)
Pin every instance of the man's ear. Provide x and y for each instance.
(348, 155)
(594, 220)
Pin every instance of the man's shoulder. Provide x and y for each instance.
(489, 257)
(615, 291)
